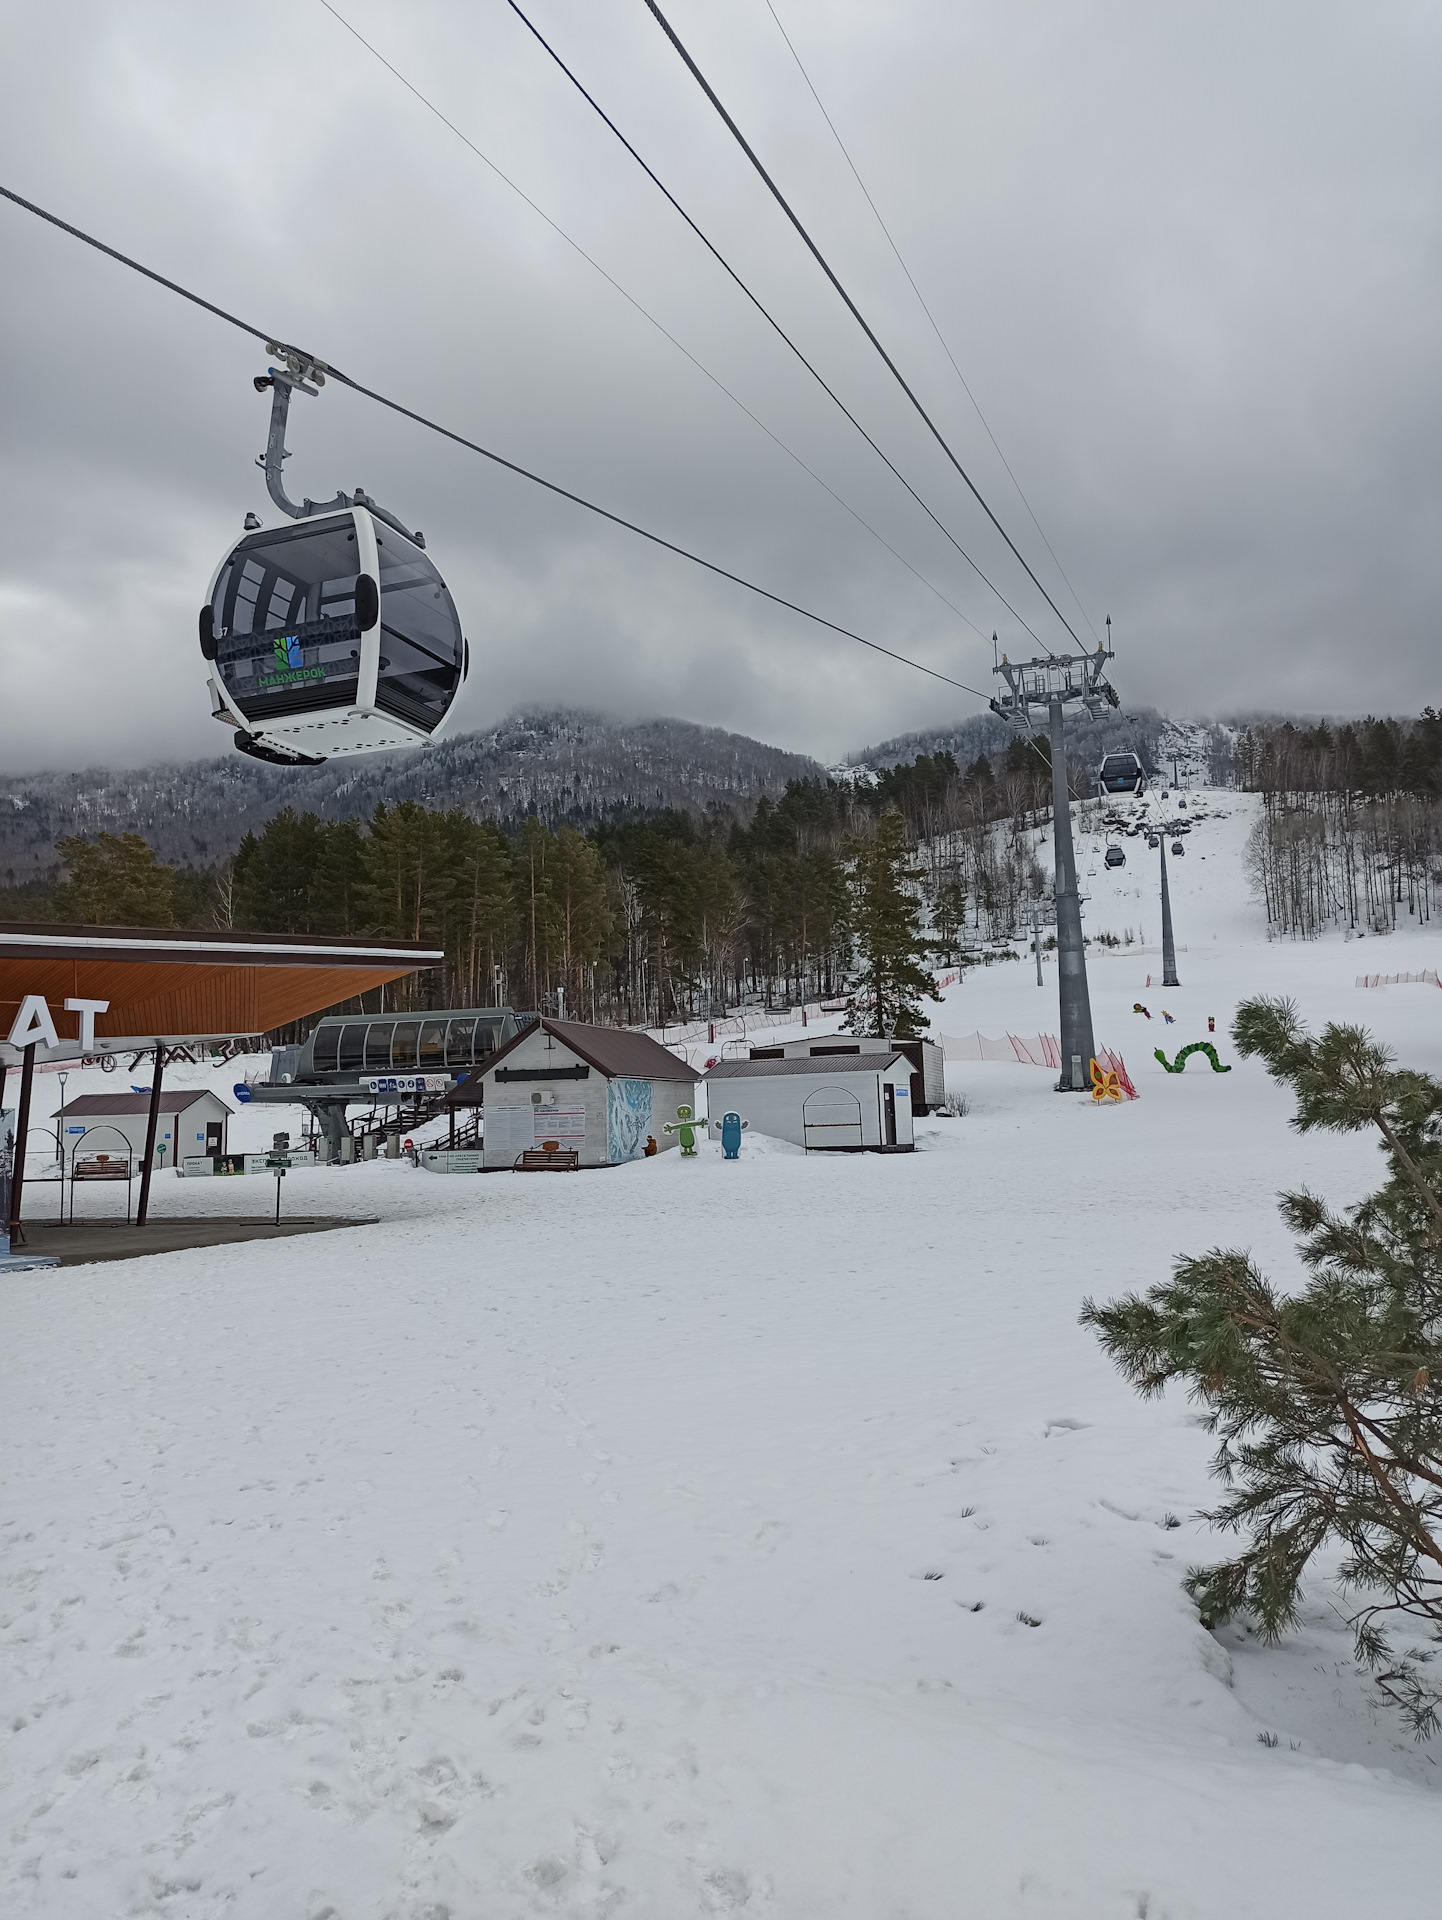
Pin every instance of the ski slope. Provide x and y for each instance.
(692, 1538)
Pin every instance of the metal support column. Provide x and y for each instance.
(22, 1131)
(150, 1129)
(1051, 682)
(1169, 949)
(1077, 1045)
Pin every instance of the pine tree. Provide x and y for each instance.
(275, 872)
(117, 882)
(1328, 1401)
(886, 923)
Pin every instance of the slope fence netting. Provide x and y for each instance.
(1033, 1050)
(1428, 979)
(1037, 1050)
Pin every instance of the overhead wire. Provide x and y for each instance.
(931, 318)
(268, 336)
(769, 317)
(645, 313)
(853, 309)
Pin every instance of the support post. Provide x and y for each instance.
(1169, 949)
(1036, 938)
(150, 1129)
(22, 1130)
(1077, 1045)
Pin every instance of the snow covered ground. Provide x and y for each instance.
(699, 1537)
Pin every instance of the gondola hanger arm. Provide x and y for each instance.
(297, 375)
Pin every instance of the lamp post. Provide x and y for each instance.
(63, 1077)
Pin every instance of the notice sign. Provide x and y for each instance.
(566, 1124)
(409, 1083)
(510, 1131)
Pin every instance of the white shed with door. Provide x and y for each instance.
(831, 1103)
(928, 1067)
(191, 1121)
(601, 1092)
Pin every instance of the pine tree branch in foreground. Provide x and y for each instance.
(1326, 1401)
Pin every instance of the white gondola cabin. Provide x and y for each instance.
(1120, 773)
(333, 635)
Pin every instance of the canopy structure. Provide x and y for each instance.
(173, 985)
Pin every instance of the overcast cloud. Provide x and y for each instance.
(1187, 256)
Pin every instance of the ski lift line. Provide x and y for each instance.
(474, 446)
(931, 318)
(645, 313)
(856, 313)
(773, 323)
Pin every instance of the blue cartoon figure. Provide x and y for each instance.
(685, 1125)
(732, 1126)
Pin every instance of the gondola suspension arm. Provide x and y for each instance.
(303, 374)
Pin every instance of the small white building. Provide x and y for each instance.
(928, 1065)
(828, 1102)
(192, 1121)
(602, 1092)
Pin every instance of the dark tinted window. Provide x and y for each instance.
(352, 1047)
(403, 1047)
(459, 1041)
(327, 1041)
(378, 1046)
(284, 615)
(421, 643)
(433, 1046)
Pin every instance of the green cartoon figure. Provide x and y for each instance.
(685, 1125)
(1203, 1047)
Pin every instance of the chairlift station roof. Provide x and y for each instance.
(185, 984)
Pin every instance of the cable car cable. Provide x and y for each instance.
(474, 446)
(931, 318)
(770, 319)
(646, 314)
(854, 310)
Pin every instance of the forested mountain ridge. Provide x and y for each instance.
(575, 767)
(1128, 728)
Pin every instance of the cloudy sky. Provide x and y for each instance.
(1186, 256)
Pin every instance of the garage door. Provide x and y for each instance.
(831, 1117)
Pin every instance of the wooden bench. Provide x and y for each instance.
(103, 1166)
(548, 1160)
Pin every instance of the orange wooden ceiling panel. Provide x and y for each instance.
(164, 997)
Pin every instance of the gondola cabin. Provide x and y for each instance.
(1120, 773)
(331, 636)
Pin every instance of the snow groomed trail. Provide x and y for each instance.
(696, 1537)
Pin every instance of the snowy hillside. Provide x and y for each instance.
(691, 1538)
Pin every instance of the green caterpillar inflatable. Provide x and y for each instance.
(1197, 1046)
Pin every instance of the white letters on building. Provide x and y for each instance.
(35, 1026)
(87, 1009)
